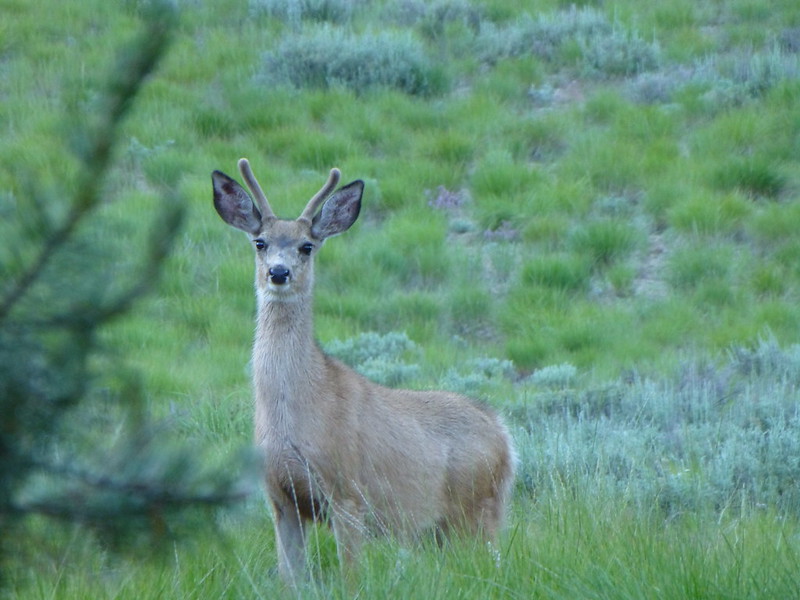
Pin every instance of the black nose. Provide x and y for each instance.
(278, 274)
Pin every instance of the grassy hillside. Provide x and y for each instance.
(584, 214)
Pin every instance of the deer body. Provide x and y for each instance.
(337, 445)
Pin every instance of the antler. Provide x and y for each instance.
(321, 196)
(252, 183)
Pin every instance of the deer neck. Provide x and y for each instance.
(287, 363)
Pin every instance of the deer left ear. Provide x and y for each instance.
(339, 212)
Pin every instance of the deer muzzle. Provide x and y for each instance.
(278, 274)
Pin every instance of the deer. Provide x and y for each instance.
(338, 448)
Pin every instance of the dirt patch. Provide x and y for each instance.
(650, 279)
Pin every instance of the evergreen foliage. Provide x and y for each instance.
(76, 444)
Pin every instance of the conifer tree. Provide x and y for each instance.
(59, 287)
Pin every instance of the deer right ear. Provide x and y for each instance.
(234, 204)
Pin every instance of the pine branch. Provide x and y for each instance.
(133, 69)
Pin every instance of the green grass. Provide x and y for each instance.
(605, 196)
(562, 548)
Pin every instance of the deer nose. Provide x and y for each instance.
(278, 274)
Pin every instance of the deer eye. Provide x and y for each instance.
(306, 248)
(260, 244)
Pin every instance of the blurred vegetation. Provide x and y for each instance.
(76, 444)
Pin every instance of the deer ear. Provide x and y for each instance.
(339, 212)
(234, 204)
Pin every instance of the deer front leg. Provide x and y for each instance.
(290, 542)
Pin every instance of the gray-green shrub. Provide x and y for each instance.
(378, 357)
(618, 54)
(583, 38)
(559, 376)
(477, 374)
(720, 437)
(325, 57)
(544, 36)
(724, 80)
(293, 12)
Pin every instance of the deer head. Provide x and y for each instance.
(285, 248)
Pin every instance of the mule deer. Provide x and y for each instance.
(336, 445)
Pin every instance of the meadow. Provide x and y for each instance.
(583, 214)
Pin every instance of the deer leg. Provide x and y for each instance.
(290, 542)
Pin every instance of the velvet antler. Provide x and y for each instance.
(258, 194)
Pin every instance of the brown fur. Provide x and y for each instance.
(335, 444)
